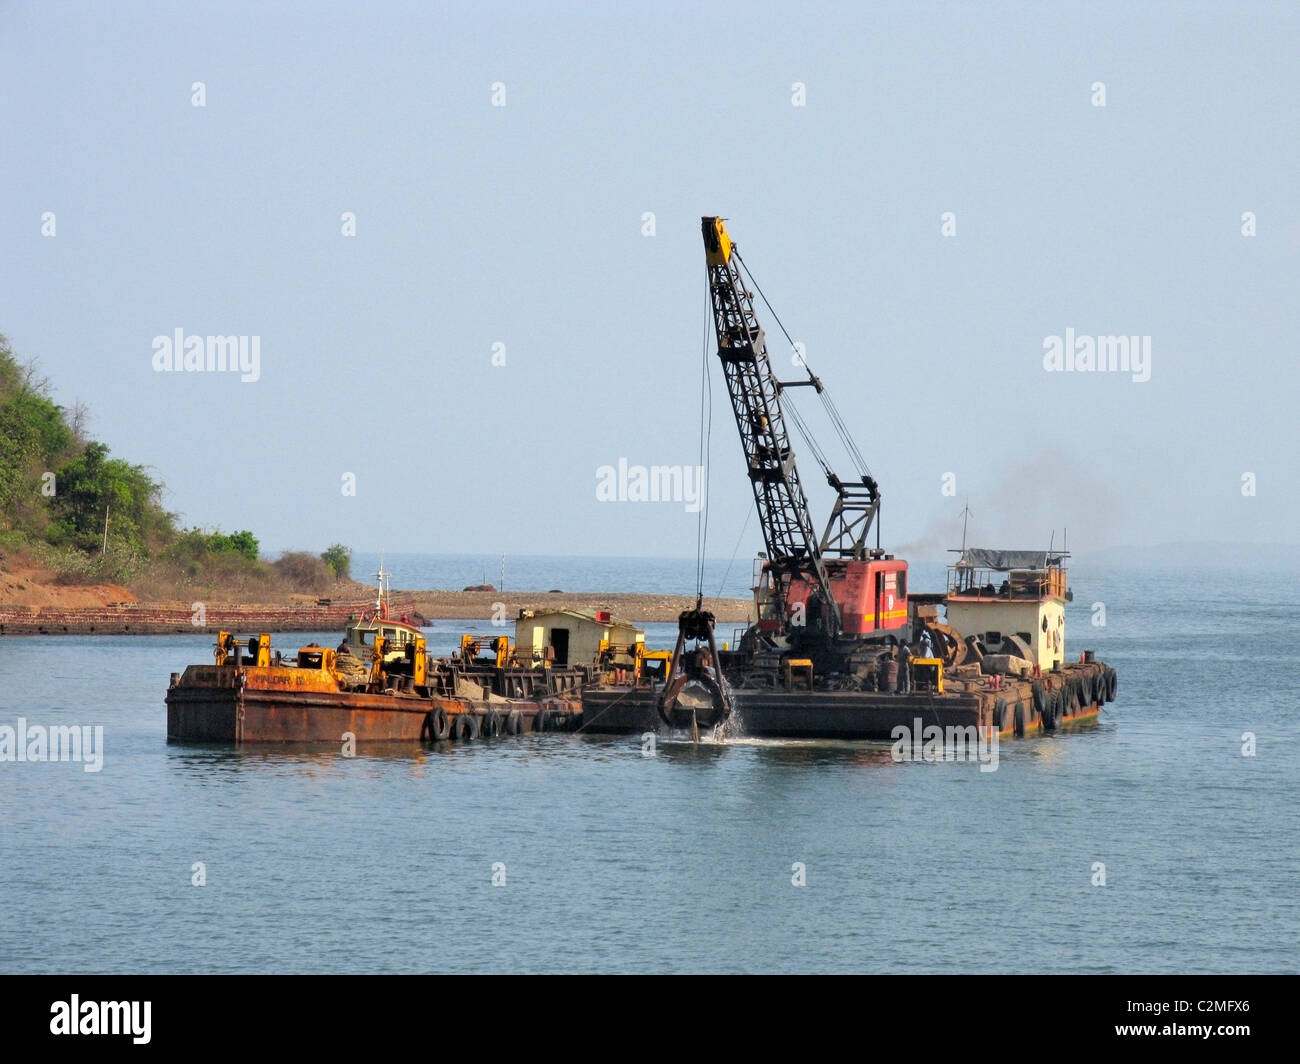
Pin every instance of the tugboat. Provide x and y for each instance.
(373, 628)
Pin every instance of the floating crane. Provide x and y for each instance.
(818, 599)
(814, 594)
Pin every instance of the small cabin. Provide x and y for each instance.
(995, 594)
(359, 637)
(575, 637)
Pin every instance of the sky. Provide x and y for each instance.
(927, 193)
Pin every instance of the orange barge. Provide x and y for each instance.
(379, 685)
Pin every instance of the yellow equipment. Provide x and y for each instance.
(421, 666)
(228, 650)
(800, 668)
(927, 675)
(471, 647)
(655, 663)
(717, 244)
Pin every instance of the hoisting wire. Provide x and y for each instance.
(807, 435)
(706, 435)
(837, 422)
(736, 549)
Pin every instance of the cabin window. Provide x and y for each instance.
(902, 583)
(992, 639)
(367, 639)
(1028, 639)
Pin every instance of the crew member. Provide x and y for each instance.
(904, 669)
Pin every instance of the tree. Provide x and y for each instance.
(339, 560)
(34, 439)
(93, 485)
(244, 543)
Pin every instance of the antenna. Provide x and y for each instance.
(965, 516)
(382, 578)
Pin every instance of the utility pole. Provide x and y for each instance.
(104, 550)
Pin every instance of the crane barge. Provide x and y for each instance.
(838, 647)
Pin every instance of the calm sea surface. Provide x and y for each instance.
(683, 861)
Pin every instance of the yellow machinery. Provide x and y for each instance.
(228, 650)
(418, 657)
(324, 659)
(717, 244)
(800, 669)
(657, 664)
(471, 647)
(317, 657)
(927, 675)
(420, 671)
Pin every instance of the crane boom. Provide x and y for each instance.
(813, 590)
(793, 549)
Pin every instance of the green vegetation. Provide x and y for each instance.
(62, 496)
(77, 510)
(338, 559)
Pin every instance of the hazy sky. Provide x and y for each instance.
(523, 225)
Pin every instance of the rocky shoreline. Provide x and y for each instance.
(142, 618)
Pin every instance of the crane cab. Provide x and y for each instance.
(871, 594)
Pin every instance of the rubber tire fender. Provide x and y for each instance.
(1112, 684)
(1019, 724)
(1052, 713)
(514, 722)
(1000, 714)
(491, 727)
(436, 726)
(1040, 699)
(541, 722)
(464, 726)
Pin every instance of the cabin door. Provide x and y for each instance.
(560, 641)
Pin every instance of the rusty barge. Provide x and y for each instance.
(381, 684)
(841, 647)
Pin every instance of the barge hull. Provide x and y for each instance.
(218, 704)
(803, 714)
